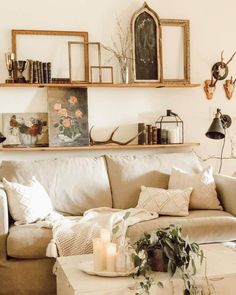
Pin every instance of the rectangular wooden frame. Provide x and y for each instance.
(98, 44)
(84, 35)
(100, 68)
(186, 45)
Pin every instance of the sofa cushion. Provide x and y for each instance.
(128, 173)
(27, 204)
(74, 184)
(201, 226)
(28, 241)
(204, 195)
(173, 202)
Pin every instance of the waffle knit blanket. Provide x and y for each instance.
(74, 235)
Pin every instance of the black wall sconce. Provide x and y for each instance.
(217, 130)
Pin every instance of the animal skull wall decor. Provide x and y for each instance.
(229, 87)
(219, 72)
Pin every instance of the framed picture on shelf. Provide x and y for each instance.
(68, 117)
(52, 47)
(25, 129)
(176, 62)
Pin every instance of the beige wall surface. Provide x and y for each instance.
(212, 27)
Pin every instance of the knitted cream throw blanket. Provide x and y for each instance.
(73, 236)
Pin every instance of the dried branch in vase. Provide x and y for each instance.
(122, 50)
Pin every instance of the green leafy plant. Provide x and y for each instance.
(177, 253)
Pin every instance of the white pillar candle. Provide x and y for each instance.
(99, 255)
(121, 260)
(111, 257)
(173, 135)
(105, 235)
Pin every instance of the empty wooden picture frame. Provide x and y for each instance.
(176, 50)
(50, 46)
(74, 51)
(101, 74)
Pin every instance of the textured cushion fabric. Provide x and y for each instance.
(202, 226)
(128, 173)
(172, 202)
(4, 222)
(204, 195)
(226, 188)
(28, 241)
(28, 277)
(27, 204)
(74, 184)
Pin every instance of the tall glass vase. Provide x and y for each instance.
(124, 70)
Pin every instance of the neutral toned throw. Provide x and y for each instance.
(73, 236)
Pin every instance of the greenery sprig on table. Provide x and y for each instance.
(178, 254)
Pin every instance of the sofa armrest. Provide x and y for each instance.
(226, 188)
(4, 223)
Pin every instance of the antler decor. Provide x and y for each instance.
(219, 71)
(110, 139)
(229, 87)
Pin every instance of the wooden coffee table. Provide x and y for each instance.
(221, 272)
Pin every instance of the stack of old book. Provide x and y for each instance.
(39, 72)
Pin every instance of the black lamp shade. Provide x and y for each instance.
(216, 130)
(2, 137)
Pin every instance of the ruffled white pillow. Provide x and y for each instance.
(204, 195)
(27, 204)
(173, 202)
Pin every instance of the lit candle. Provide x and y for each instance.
(99, 257)
(111, 257)
(105, 235)
(121, 260)
(12, 56)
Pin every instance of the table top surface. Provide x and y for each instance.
(221, 262)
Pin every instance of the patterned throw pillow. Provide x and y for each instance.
(204, 195)
(172, 202)
(27, 204)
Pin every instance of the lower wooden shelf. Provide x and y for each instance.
(107, 85)
(97, 147)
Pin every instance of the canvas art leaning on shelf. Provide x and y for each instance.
(25, 129)
(68, 117)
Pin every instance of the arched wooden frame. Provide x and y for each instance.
(155, 17)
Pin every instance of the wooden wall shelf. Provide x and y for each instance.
(97, 147)
(105, 85)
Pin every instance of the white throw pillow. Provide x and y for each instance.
(27, 204)
(204, 195)
(172, 202)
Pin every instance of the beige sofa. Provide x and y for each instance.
(78, 184)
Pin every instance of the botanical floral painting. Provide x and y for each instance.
(25, 129)
(68, 117)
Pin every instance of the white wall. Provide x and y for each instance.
(212, 30)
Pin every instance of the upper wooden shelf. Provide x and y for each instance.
(97, 147)
(105, 85)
